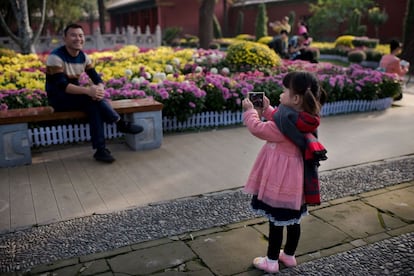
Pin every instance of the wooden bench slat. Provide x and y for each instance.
(46, 113)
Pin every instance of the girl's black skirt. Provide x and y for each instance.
(278, 216)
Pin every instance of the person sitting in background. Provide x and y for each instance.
(299, 48)
(390, 63)
(64, 67)
(278, 26)
(279, 43)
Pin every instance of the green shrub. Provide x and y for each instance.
(171, 35)
(356, 56)
(247, 55)
(373, 55)
(190, 41)
(334, 51)
(261, 22)
(389, 88)
(365, 42)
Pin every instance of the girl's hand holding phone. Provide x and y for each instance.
(266, 102)
(247, 104)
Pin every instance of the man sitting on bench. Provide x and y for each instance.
(64, 66)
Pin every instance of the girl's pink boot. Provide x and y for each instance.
(265, 264)
(287, 260)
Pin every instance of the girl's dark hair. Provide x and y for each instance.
(394, 44)
(307, 85)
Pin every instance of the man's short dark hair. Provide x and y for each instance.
(71, 26)
(284, 32)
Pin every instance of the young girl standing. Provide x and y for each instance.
(283, 179)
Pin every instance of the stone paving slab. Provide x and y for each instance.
(399, 203)
(231, 252)
(188, 269)
(357, 219)
(153, 259)
(315, 234)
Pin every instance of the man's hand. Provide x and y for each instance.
(96, 92)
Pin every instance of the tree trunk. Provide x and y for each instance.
(206, 23)
(408, 33)
(225, 18)
(101, 10)
(24, 38)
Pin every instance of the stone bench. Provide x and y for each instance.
(15, 147)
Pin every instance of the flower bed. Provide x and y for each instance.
(190, 81)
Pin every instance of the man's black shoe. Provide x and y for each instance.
(128, 127)
(103, 155)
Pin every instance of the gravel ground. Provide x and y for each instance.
(23, 249)
(393, 256)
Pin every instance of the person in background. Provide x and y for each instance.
(284, 180)
(299, 48)
(278, 26)
(391, 63)
(302, 28)
(64, 66)
(279, 44)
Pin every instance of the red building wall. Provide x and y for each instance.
(165, 13)
(185, 14)
(393, 28)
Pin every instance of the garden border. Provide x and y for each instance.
(44, 136)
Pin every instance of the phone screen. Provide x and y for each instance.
(256, 98)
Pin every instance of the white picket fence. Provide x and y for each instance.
(203, 120)
(355, 106)
(63, 134)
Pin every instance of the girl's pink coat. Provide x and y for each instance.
(391, 64)
(277, 174)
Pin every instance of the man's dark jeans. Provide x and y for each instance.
(98, 112)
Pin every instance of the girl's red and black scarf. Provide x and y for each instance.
(301, 129)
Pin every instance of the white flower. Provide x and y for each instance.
(214, 70)
(225, 71)
(147, 75)
(198, 69)
(176, 61)
(128, 72)
(159, 77)
(138, 80)
(169, 68)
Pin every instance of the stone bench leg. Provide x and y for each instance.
(14, 145)
(151, 137)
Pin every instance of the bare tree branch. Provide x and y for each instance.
(6, 28)
(42, 22)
